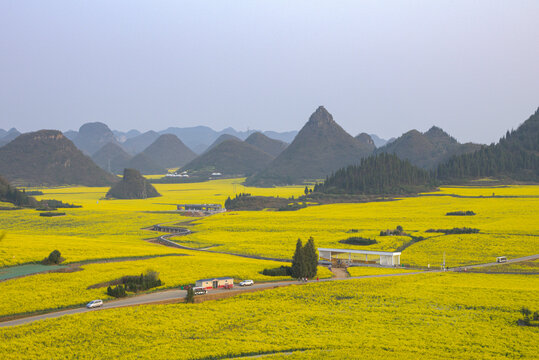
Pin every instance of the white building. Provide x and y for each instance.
(351, 257)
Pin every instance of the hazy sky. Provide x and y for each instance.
(384, 67)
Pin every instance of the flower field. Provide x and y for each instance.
(427, 316)
(509, 226)
(57, 290)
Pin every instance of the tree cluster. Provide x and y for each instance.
(117, 291)
(460, 213)
(357, 240)
(142, 282)
(514, 156)
(378, 174)
(463, 230)
(396, 232)
(305, 260)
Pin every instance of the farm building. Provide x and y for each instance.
(351, 257)
(215, 283)
(205, 208)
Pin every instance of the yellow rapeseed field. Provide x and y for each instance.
(426, 316)
(509, 226)
(56, 290)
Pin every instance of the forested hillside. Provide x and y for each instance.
(378, 174)
(515, 156)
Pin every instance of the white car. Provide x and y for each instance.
(94, 303)
(247, 283)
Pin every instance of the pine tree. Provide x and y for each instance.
(298, 262)
(311, 259)
(190, 297)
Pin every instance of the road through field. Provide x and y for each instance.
(174, 296)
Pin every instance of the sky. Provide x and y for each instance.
(382, 67)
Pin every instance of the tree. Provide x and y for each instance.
(190, 297)
(298, 262)
(306, 190)
(311, 258)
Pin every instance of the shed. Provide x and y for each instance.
(215, 283)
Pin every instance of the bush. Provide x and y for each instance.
(356, 240)
(460, 213)
(51, 214)
(398, 231)
(280, 271)
(117, 291)
(463, 230)
(54, 258)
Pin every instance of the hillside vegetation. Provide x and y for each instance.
(266, 144)
(378, 174)
(515, 156)
(132, 186)
(230, 157)
(321, 147)
(427, 150)
(47, 157)
(168, 151)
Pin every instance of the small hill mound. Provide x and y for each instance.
(515, 156)
(366, 140)
(47, 157)
(145, 165)
(138, 143)
(267, 145)
(231, 157)
(169, 152)
(320, 148)
(93, 136)
(132, 186)
(220, 139)
(112, 158)
(426, 150)
(383, 174)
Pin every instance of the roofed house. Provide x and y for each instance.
(215, 283)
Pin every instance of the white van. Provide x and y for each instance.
(94, 303)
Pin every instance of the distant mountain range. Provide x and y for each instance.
(7, 136)
(316, 152)
(427, 150)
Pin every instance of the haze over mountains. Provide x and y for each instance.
(318, 150)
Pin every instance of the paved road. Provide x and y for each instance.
(509, 261)
(171, 295)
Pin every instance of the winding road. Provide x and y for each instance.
(177, 296)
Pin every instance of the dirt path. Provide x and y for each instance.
(339, 273)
